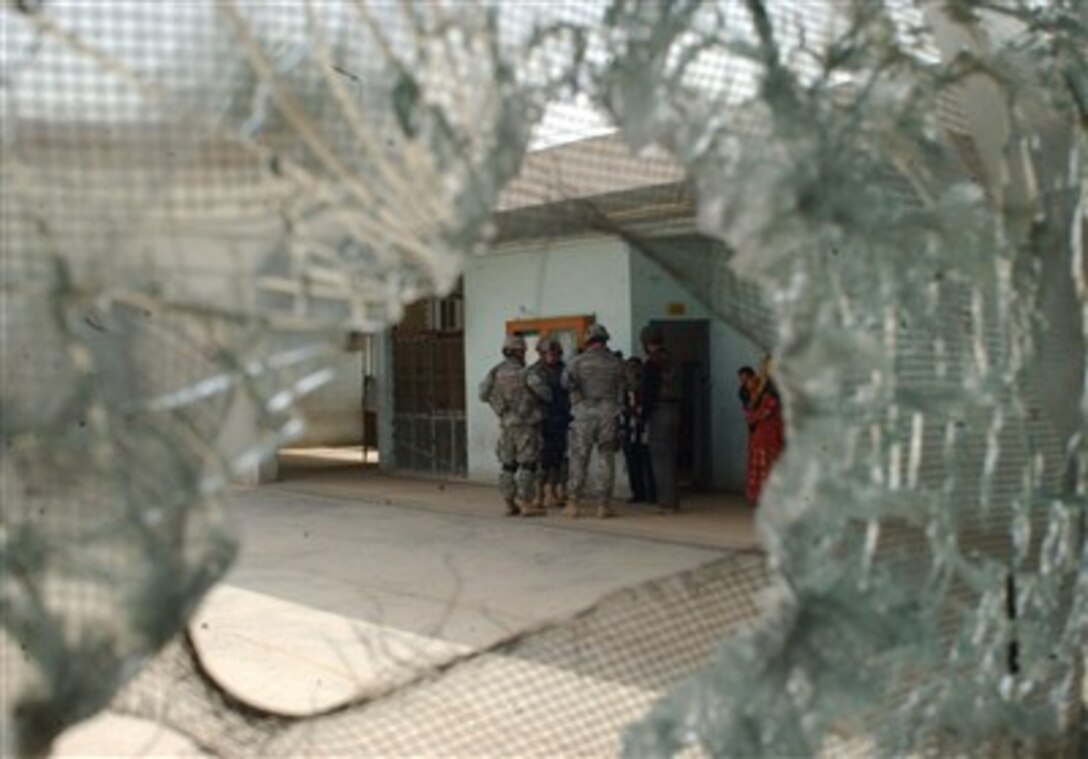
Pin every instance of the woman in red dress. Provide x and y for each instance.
(766, 437)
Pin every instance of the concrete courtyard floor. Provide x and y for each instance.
(350, 581)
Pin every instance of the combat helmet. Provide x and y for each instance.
(597, 334)
(513, 343)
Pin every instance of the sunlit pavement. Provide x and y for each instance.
(347, 586)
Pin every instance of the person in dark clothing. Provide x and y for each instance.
(636, 452)
(662, 395)
(555, 427)
(744, 378)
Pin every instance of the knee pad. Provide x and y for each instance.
(511, 468)
(529, 467)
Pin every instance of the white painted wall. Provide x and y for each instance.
(652, 289)
(334, 411)
(211, 264)
(214, 263)
(588, 275)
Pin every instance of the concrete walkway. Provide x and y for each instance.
(715, 520)
(350, 582)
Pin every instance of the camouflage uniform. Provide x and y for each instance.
(517, 397)
(595, 380)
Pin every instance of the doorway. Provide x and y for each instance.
(688, 341)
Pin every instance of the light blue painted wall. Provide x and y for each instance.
(624, 290)
(564, 278)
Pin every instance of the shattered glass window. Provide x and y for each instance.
(202, 199)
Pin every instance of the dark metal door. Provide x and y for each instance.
(429, 431)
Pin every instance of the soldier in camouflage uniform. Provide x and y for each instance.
(518, 397)
(595, 379)
(556, 426)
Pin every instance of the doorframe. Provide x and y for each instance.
(579, 325)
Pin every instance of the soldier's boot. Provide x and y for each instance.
(604, 509)
(530, 509)
(573, 510)
(541, 489)
(558, 497)
(511, 507)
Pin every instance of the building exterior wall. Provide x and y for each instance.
(652, 292)
(214, 273)
(589, 275)
(624, 290)
(334, 411)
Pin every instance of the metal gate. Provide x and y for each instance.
(429, 432)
